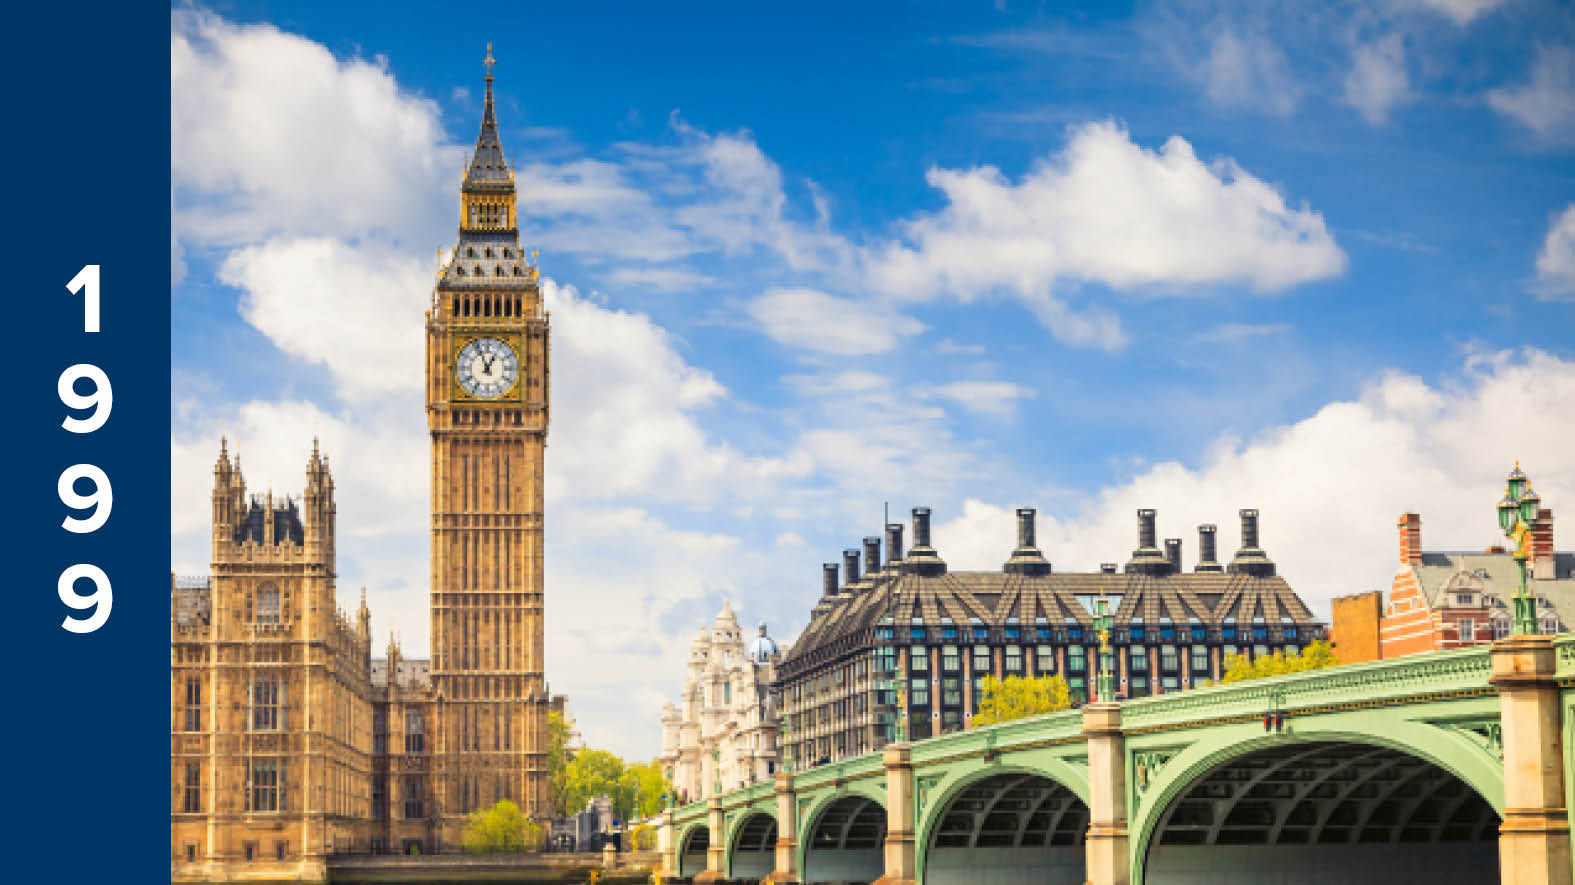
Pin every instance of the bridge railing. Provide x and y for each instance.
(1017, 734)
(861, 766)
(1373, 683)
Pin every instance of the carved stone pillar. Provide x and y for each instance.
(1105, 852)
(786, 867)
(667, 846)
(1534, 839)
(901, 864)
(716, 848)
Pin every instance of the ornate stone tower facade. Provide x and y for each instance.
(271, 731)
(486, 372)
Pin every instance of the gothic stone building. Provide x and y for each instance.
(726, 730)
(289, 742)
(911, 623)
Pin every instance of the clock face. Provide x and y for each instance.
(487, 368)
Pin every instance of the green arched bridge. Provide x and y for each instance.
(1450, 767)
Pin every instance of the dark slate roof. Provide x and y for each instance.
(1496, 574)
(488, 167)
(846, 621)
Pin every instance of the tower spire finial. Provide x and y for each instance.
(489, 61)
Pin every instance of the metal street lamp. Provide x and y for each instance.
(1517, 510)
(784, 752)
(1103, 619)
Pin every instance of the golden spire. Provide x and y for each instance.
(489, 61)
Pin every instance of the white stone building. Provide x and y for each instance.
(726, 718)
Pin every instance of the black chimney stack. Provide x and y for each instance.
(1208, 554)
(871, 555)
(921, 527)
(1249, 530)
(828, 578)
(1026, 559)
(922, 558)
(893, 543)
(1250, 559)
(850, 566)
(1173, 554)
(1146, 530)
(1147, 558)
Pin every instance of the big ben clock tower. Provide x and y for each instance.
(486, 374)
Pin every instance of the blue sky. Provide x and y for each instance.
(1318, 260)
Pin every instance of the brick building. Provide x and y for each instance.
(1449, 599)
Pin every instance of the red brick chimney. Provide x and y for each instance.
(1410, 539)
(1542, 546)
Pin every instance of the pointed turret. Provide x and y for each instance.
(488, 254)
(488, 167)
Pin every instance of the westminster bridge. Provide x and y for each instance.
(1450, 766)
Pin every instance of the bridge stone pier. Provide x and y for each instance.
(1450, 766)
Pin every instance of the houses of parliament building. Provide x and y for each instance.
(289, 741)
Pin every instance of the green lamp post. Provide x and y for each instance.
(784, 728)
(1518, 509)
(1106, 680)
(716, 770)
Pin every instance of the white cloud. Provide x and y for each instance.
(630, 428)
(1235, 332)
(1461, 12)
(355, 309)
(1378, 81)
(1556, 261)
(814, 320)
(1248, 70)
(1546, 103)
(275, 134)
(1330, 487)
(995, 398)
(1106, 210)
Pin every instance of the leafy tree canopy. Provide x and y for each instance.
(501, 828)
(558, 757)
(1317, 656)
(1015, 697)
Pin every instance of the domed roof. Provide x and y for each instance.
(762, 647)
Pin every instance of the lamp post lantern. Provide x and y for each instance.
(1517, 510)
(1106, 682)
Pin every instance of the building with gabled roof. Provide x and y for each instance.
(912, 627)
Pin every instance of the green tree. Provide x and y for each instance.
(649, 784)
(590, 774)
(501, 828)
(558, 758)
(1014, 697)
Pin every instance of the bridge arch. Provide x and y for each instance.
(751, 846)
(842, 836)
(693, 843)
(1411, 802)
(1003, 824)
